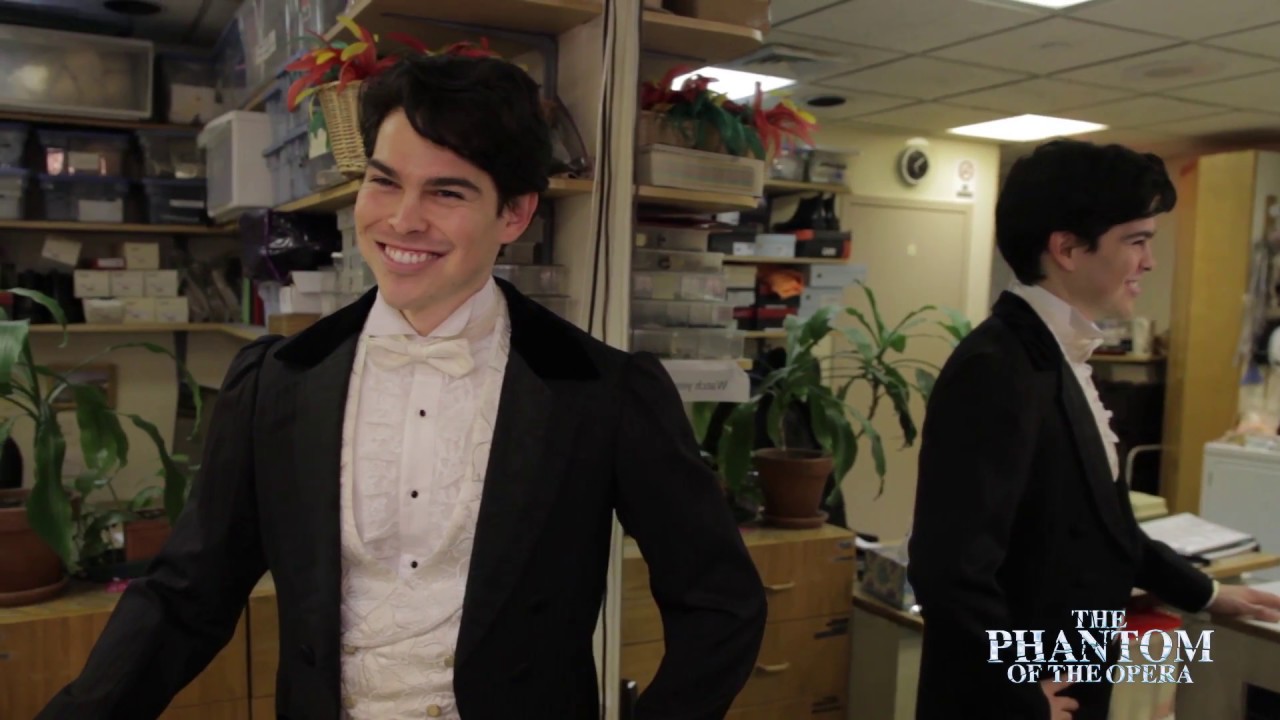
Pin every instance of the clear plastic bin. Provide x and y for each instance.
(230, 76)
(664, 285)
(70, 73)
(84, 198)
(13, 141)
(13, 190)
(690, 343)
(281, 178)
(188, 88)
(171, 154)
(75, 152)
(680, 313)
(176, 202)
(287, 162)
(535, 279)
(679, 260)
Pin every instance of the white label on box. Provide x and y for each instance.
(92, 283)
(84, 162)
(100, 210)
(61, 250)
(709, 380)
(127, 283)
(161, 283)
(186, 203)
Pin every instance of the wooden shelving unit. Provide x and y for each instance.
(690, 37)
(696, 200)
(1126, 359)
(340, 196)
(744, 260)
(766, 334)
(46, 119)
(789, 187)
(119, 228)
(243, 332)
(537, 17)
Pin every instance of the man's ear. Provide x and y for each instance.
(1063, 248)
(517, 215)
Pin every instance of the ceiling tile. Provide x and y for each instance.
(1225, 123)
(912, 26)
(922, 77)
(1040, 96)
(1256, 92)
(856, 103)
(807, 59)
(1187, 19)
(930, 117)
(1260, 41)
(781, 11)
(1143, 111)
(1051, 45)
(1171, 68)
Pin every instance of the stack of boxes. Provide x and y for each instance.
(524, 265)
(680, 307)
(354, 274)
(130, 288)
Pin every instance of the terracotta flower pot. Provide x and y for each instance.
(145, 538)
(793, 481)
(30, 571)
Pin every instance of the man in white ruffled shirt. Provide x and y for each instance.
(431, 473)
(1021, 515)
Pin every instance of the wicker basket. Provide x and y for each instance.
(658, 129)
(342, 119)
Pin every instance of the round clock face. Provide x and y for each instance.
(913, 165)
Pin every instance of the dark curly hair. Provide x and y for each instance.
(486, 110)
(1077, 187)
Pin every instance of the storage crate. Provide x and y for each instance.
(188, 91)
(662, 285)
(171, 153)
(535, 279)
(267, 39)
(177, 202)
(679, 260)
(66, 73)
(13, 191)
(13, 143)
(84, 198)
(690, 343)
(76, 152)
(684, 169)
(680, 313)
(230, 75)
(237, 171)
(287, 181)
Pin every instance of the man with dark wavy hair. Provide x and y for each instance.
(430, 474)
(1021, 516)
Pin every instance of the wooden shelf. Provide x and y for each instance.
(744, 260)
(697, 200)
(123, 228)
(535, 17)
(1129, 359)
(745, 363)
(788, 187)
(766, 334)
(693, 38)
(43, 119)
(344, 195)
(242, 332)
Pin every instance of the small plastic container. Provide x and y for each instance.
(690, 343)
(663, 285)
(68, 152)
(175, 202)
(678, 260)
(13, 191)
(535, 279)
(287, 179)
(13, 141)
(171, 153)
(278, 111)
(680, 313)
(84, 198)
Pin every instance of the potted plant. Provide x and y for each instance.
(49, 532)
(793, 476)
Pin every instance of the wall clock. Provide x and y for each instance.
(913, 165)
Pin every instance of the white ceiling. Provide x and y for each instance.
(1164, 74)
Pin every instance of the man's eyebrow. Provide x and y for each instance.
(452, 182)
(384, 168)
(1148, 234)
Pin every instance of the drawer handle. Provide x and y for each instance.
(773, 669)
(779, 587)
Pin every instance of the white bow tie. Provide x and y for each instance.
(451, 356)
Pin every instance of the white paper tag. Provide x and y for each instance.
(709, 380)
(85, 162)
(101, 210)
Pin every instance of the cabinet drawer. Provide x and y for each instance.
(264, 645)
(806, 660)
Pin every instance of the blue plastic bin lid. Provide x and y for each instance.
(122, 182)
(291, 137)
(47, 134)
(174, 182)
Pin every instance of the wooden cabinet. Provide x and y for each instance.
(803, 666)
(43, 647)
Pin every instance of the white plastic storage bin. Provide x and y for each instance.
(175, 202)
(239, 179)
(78, 152)
(13, 141)
(65, 73)
(680, 313)
(171, 153)
(663, 285)
(675, 167)
(13, 190)
(282, 158)
(690, 343)
(680, 260)
(84, 198)
(535, 279)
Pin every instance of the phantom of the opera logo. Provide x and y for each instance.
(1101, 648)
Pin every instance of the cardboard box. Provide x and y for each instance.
(103, 311)
(752, 13)
(64, 251)
(141, 255)
(172, 310)
(128, 283)
(836, 276)
(139, 310)
(160, 283)
(92, 283)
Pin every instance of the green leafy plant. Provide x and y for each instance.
(876, 358)
(76, 535)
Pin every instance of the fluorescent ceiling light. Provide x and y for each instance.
(1051, 4)
(1024, 128)
(736, 84)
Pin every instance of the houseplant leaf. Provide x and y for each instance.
(48, 507)
(899, 391)
(102, 441)
(925, 381)
(737, 440)
(13, 339)
(49, 304)
(175, 477)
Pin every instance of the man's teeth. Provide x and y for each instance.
(406, 257)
